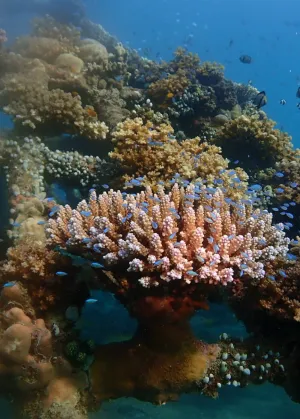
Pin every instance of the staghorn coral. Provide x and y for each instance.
(186, 235)
(255, 143)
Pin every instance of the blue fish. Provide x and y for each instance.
(91, 300)
(85, 240)
(154, 224)
(97, 265)
(279, 190)
(40, 223)
(279, 174)
(282, 273)
(294, 184)
(49, 199)
(172, 236)
(158, 262)
(106, 230)
(16, 224)
(61, 273)
(135, 182)
(192, 273)
(9, 284)
(105, 186)
(272, 277)
(255, 187)
(86, 213)
(288, 214)
(290, 256)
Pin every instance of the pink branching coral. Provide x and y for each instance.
(191, 235)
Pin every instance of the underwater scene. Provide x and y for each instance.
(149, 209)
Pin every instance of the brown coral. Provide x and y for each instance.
(255, 143)
(150, 150)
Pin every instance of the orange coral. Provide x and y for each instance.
(161, 361)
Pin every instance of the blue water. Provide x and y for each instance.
(268, 31)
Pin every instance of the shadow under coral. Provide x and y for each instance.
(162, 360)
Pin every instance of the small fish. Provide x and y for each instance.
(192, 273)
(86, 213)
(279, 174)
(271, 277)
(279, 190)
(298, 93)
(154, 224)
(282, 273)
(105, 186)
(172, 236)
(97, 265)
(290, 256)
(9, 284)
(260, 100)
(294, 184)
(42, 222)
(91, 300)
(288, 214)
(255, 187)
(158, 262)
(106, 230)
(236, 162)
(282, 102)
(49, 199)
(61, 273)
(16, 224)
(245, 59)
(85, 240)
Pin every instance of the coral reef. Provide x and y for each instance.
(254, 142)
(151, 150)
(178, 241)
(183, 142)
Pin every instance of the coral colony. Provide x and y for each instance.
(192, 197)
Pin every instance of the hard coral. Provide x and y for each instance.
(184, 237)
(255, 143)
(145, 148)
(53, 112)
